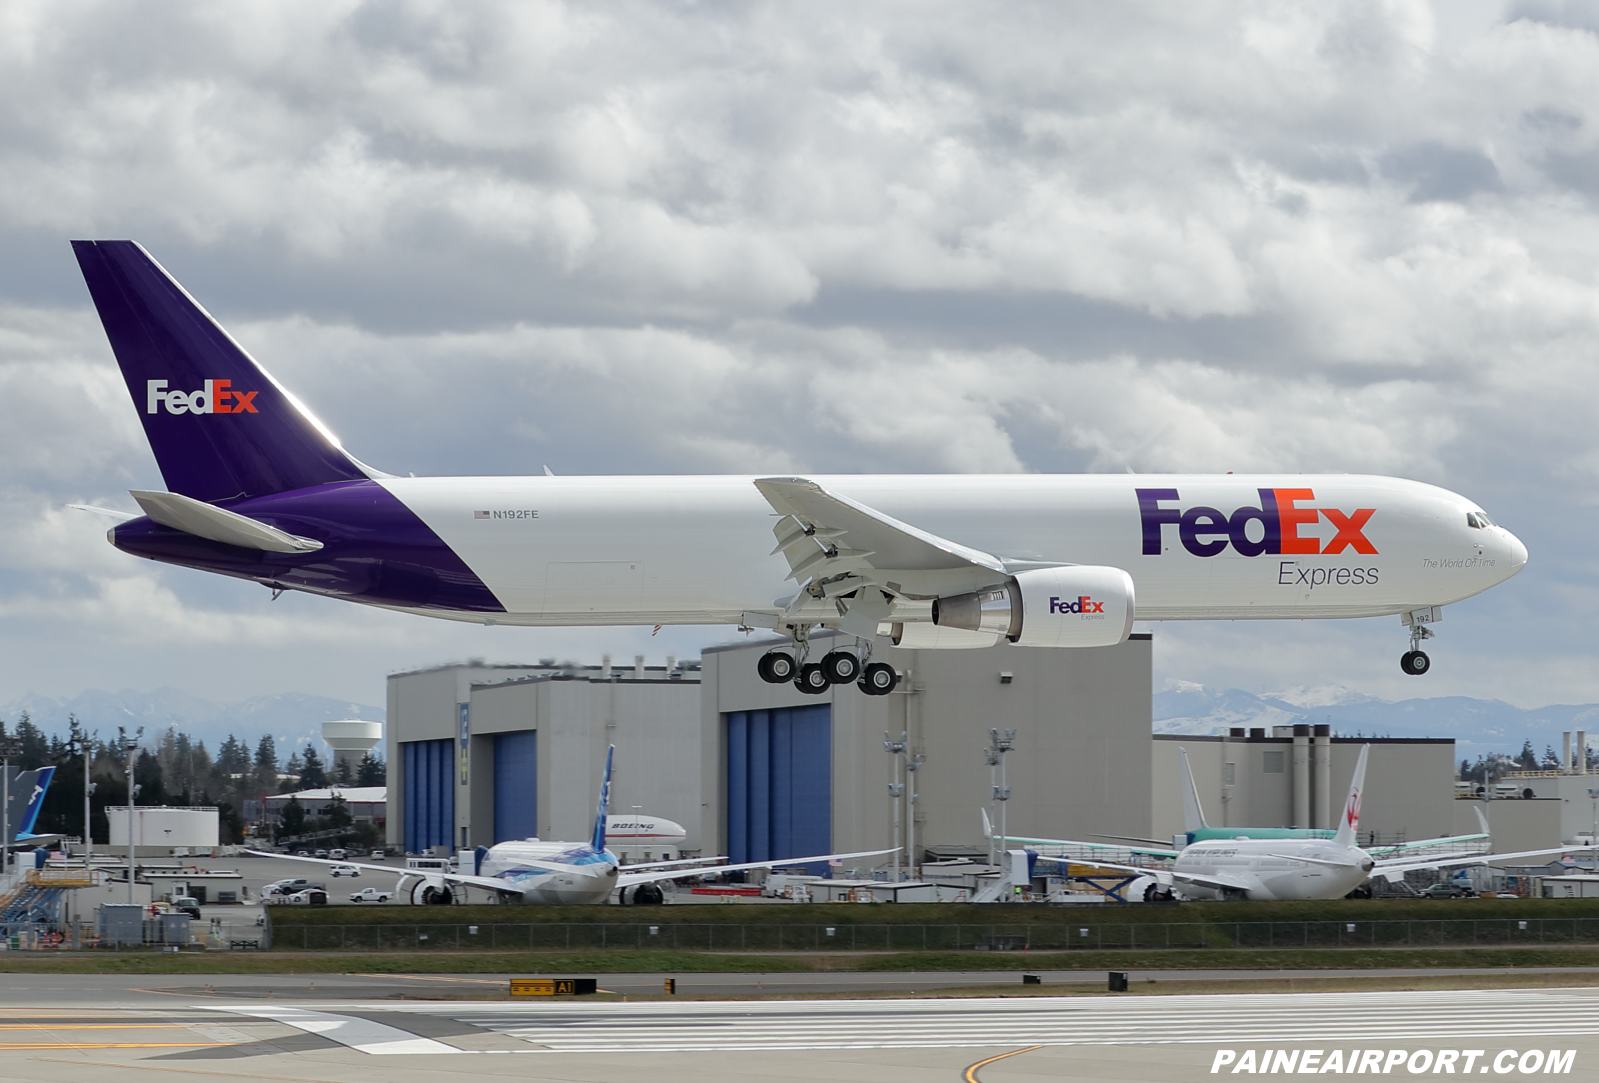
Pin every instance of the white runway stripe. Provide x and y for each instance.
(1349, 1019)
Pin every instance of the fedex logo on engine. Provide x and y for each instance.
(1080, 604)
(1205, 532)
(216, 397)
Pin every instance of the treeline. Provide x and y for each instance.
(175, 771)
(1492, 767)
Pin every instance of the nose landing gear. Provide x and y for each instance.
(1415, 661)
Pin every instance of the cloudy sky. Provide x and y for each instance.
(716, 237)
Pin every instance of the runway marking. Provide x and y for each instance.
(96, 1026)
(186, 1071)
(362, 1034)
(706, 1026)
(970, 1075)
(12, 1046)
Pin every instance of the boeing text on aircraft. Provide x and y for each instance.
(259, 489)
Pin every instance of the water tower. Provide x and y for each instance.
(351, 739)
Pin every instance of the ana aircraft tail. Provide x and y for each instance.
(219, 425)
(1349, 824)
(1193, 813)
(598, 840)
(28, 789)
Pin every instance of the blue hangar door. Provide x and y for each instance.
(429, 794)
(780, 783)
(516, 777)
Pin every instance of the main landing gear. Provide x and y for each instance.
(836, 667)
(1415, 661)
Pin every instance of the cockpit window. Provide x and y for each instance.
(1478, 519)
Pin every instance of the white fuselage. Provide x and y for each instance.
(1274, 868)
(591, 880)
(694, 550)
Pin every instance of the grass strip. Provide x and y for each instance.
(688, 962)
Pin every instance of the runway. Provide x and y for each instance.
(1173, 1037)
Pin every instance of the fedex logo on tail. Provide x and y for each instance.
(1081, 604)
(216, 397)
(1205, 532)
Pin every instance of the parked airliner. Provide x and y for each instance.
(531, 871)
(1198, 829)
(1273, 868)
(259, 489)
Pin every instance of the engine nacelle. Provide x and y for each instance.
(1079, 606)
(921, 636)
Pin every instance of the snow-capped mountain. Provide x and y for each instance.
(1478, 726)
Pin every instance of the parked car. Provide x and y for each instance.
(1447, 890)
(378, 853)
(371, 894)
(302, 853)
(321, 853)
(310, 897)
(337, 855)
(186, 904)
(344, 870)
(286, 887)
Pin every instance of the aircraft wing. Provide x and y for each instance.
(1389, 851)
(824, 535)
(1171, 877)
(629, 879)
(700, 861)
(480, 881)
(1394, 870)
(1152, 851)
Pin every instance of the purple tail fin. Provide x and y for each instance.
(220, 427)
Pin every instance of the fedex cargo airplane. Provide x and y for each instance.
(259, 489)
(536, 872)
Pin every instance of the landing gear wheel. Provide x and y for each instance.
(1415, 663)
(811, 680)
(776, 668)
(841, 667)
(879, 679)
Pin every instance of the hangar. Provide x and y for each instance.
(482, 753)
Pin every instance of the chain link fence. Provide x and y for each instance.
(562, 936)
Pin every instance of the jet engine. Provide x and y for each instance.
(921, 636)
(1076, 606)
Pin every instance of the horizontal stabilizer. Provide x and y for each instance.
(218, 524)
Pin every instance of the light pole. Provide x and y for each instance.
(998, 745)
(9, 746)
(87, 748)
(913, 763)
(130, 745)
(895, 789)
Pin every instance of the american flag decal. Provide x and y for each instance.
(480, 515)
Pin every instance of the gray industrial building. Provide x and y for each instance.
(482, 753)
(1298, 776)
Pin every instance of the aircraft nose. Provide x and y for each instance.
(1514, 553)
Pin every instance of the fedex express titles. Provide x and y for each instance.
(1282, 514)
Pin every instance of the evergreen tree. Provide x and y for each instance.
(147, 776)
(293, 818)
(266, 766)
(1528, 759)
(338, 813)
(343, 773)
(313, 775)
(371, 771)
(293, 768)
(35, 750)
